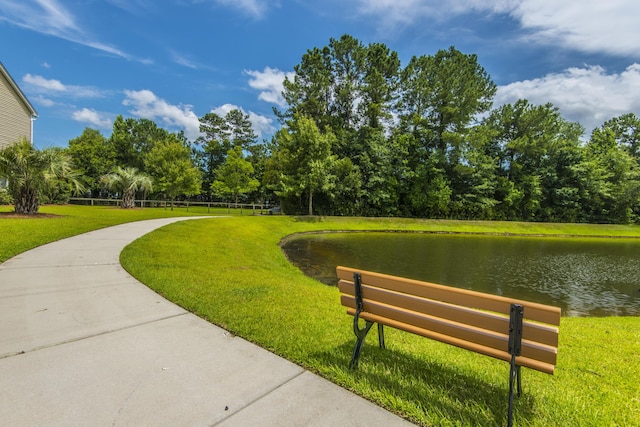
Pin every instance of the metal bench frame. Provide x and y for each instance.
(353, 298)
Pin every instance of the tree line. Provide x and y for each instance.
(362, 135)
(213, 166)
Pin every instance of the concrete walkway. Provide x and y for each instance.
(82, 343)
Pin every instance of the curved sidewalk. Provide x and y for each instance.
(82, 343)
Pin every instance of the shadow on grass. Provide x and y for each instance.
(428, 390)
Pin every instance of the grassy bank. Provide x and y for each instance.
(232, 272)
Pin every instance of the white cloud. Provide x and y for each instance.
(254, 8)
(586, 25)
(586, 95)
(270, 84)
(52, 87)
(45, 102)
(407, 12)
(45, 84)
(51, 18)
(147, 105)
(93, 117)
(224, 109)
(261, 125)
(46, 16)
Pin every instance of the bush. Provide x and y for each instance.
(5, 197)
(57, 192)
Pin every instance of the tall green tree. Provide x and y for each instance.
(350, 88)
(537, 150)
(611, 180)
(310, 92)
(347, 66)
(347, 196)
(172, 169)
(307, 163)
(622, 175)
(214, 145)
(379, 87)
(477, 176)
(430, 193)
(259, 155)
(221, 134)
(31, 173)
(235, 176)
(626, 130)
(344, 86)
(127, 182)
(92, 156)
(240, 129)
(376, 159)
(132, 139)
(442, 94)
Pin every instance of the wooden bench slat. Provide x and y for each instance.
(534, 311)
(544, 334)
(488, 351)
(519, 332)
(468, 333)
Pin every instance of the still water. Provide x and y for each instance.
(585, 277)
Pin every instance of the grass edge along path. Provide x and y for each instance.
(55, 222)
(232, 273)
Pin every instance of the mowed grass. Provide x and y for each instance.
(19, 234)
(232, 272)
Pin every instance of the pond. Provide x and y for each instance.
(585, 277)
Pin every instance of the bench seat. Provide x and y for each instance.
(517, 331)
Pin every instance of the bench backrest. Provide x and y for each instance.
(473, 320)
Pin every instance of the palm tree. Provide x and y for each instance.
(127, 181)
(30, 172)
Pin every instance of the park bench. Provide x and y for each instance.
(520, 332)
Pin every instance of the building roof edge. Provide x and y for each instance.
(17, 89)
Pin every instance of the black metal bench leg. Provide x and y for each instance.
(381, 335)
(514, 377)
(361, 334)
(515, 347)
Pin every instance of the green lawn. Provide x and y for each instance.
(232, 272)
(57, 222)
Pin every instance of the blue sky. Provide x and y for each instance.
(83, 62)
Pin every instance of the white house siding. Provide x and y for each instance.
(15, 117)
